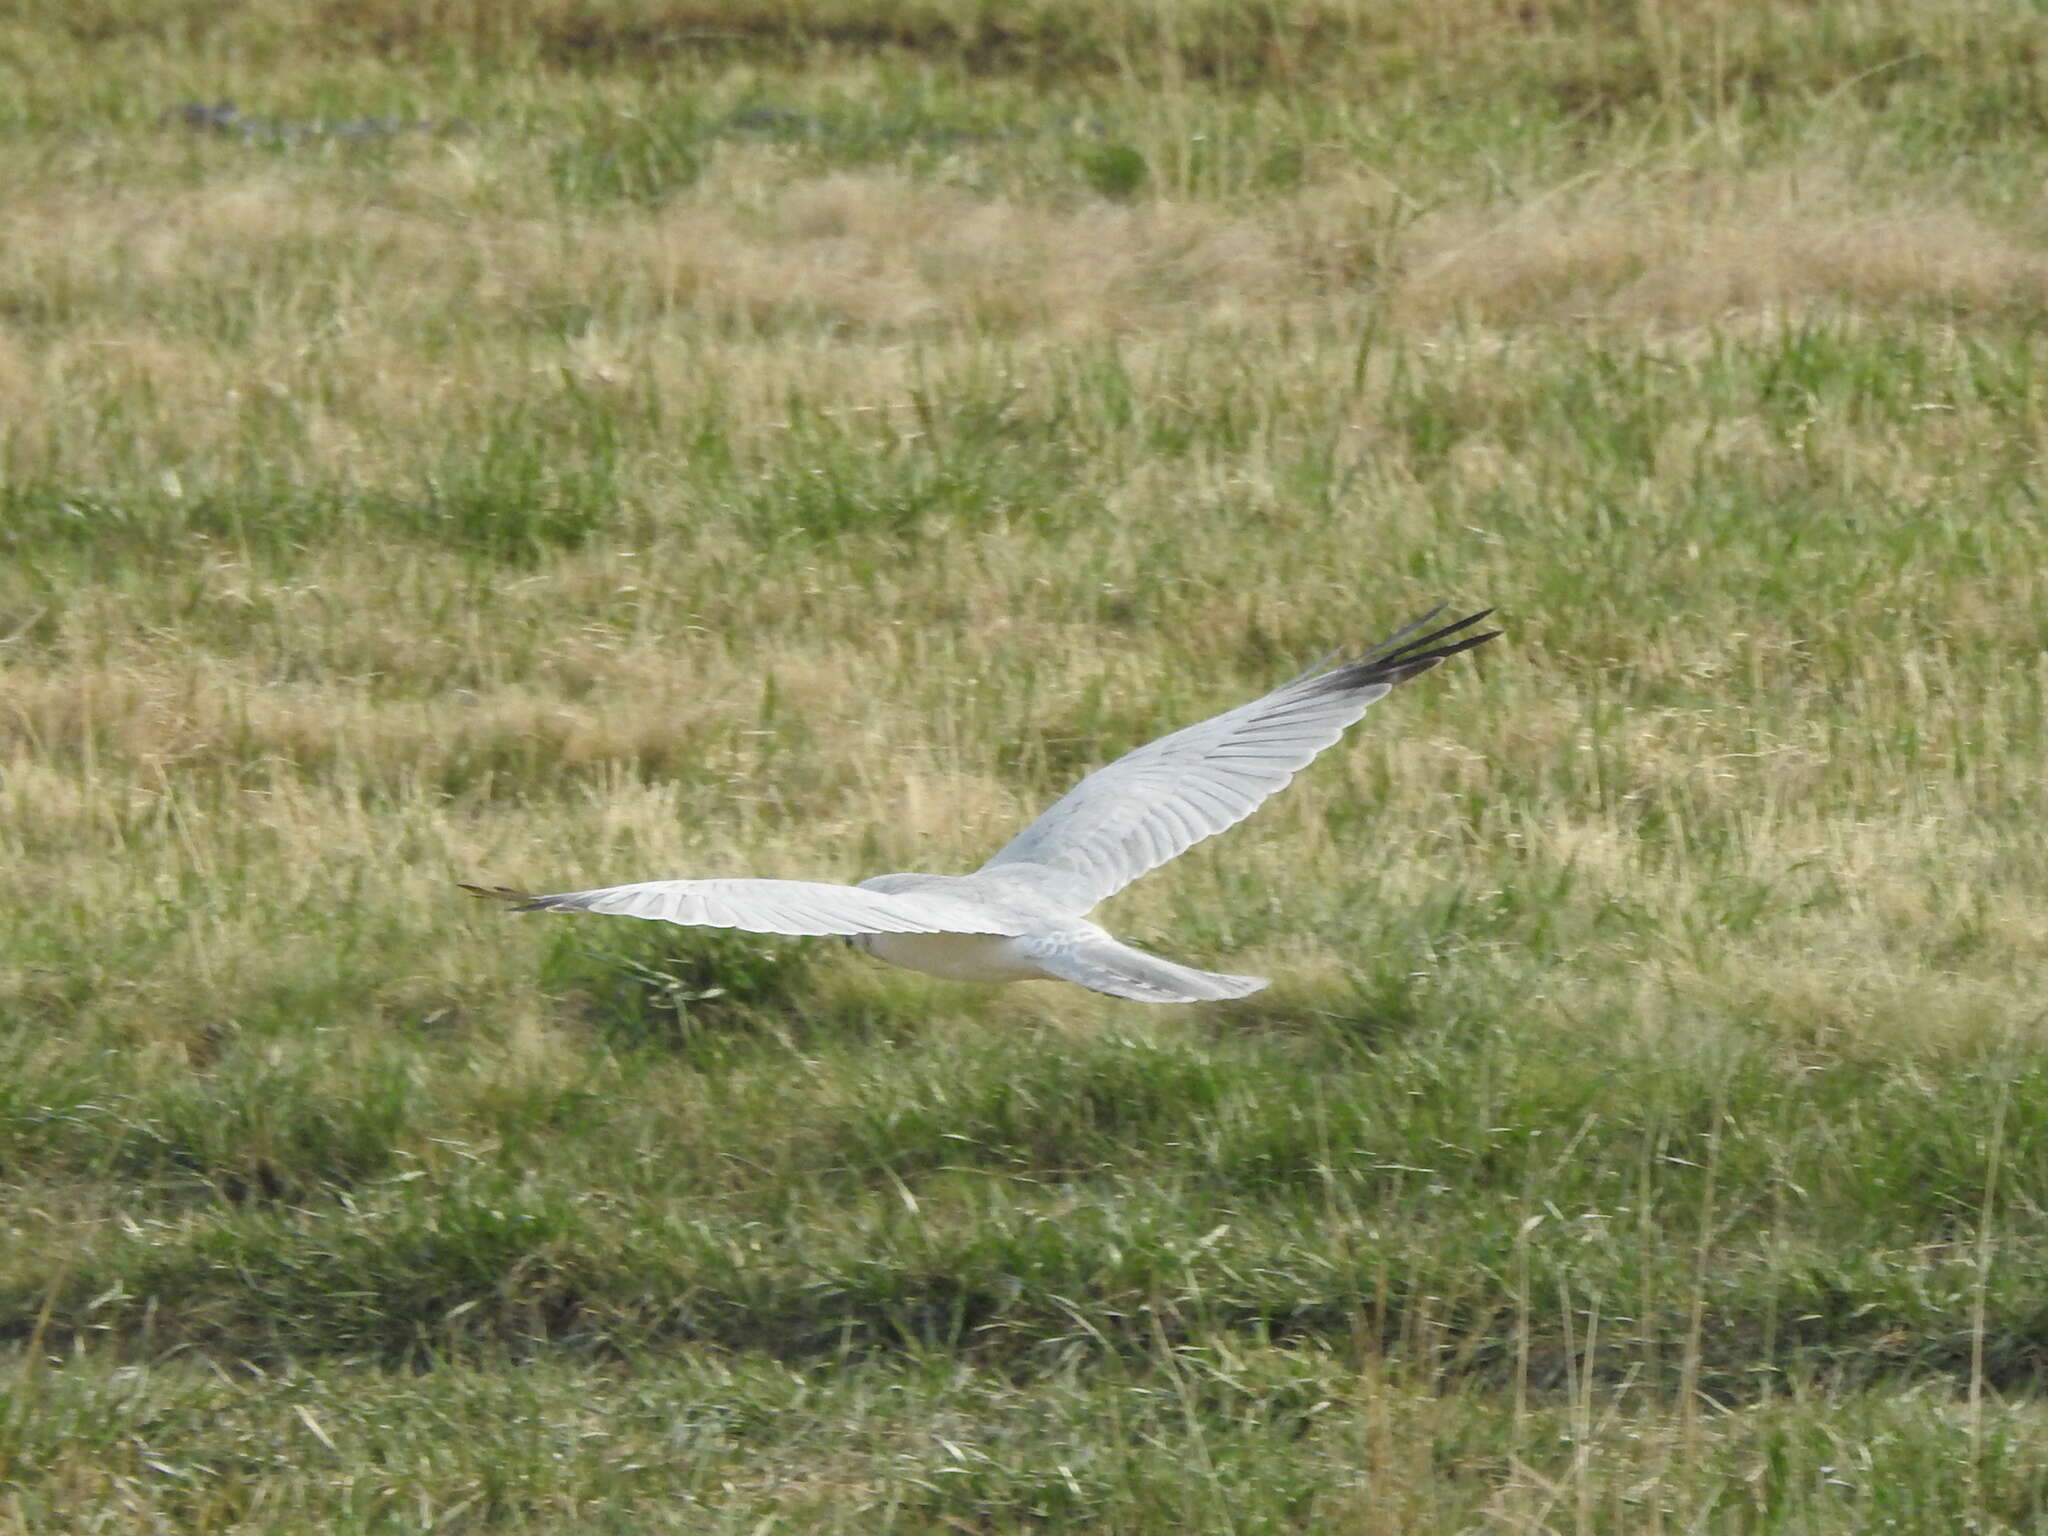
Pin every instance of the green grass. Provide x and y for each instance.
(803, 446)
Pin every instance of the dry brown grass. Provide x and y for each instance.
(1686, 251)
(843, 288)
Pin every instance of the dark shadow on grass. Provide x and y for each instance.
(1383, 1005)
(696, 993)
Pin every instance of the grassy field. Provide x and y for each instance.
(801, 440)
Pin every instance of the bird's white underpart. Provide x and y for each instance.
(1023, 915)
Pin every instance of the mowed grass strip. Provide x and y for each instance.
(744, 466)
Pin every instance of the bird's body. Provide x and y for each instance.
(955, 956)
(1023, 915)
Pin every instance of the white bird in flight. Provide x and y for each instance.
(1023, 915)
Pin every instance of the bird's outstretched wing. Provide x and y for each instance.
(771, 906)
(1163, 798)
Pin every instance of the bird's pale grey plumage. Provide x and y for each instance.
(1022, 915)
(794, 907)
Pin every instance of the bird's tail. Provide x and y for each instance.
(1105, 965)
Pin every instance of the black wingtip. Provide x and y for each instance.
(1400, 657)
(517, 901)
